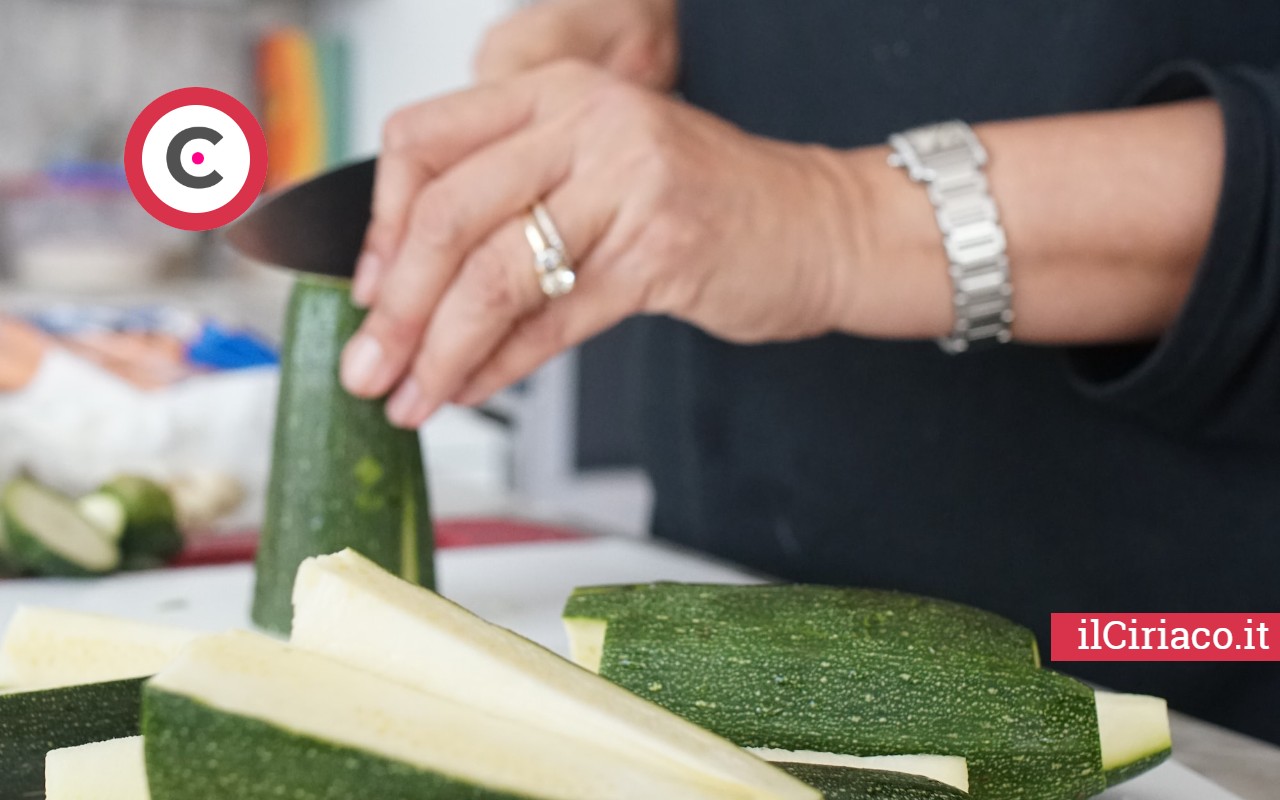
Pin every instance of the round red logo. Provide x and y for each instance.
(196, 158)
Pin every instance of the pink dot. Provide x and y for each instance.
(197, 158)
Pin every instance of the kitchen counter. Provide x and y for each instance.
(523, 587)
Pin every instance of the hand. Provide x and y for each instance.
(634, 39)
(665, 209)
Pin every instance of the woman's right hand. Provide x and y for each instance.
(635, 39)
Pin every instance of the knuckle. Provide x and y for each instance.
(397, 130)
(395, 325)
(493, 285)
(436, 222)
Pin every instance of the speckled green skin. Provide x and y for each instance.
(33, 723)
(1028, 734)
(878, 621)
(195, 752)
(846, 783)
(1131, 771)
(341, 475)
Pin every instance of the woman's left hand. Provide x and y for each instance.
(663, 208)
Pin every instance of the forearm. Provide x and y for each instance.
(1106, 214)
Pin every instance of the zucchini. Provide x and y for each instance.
(349, 609)
(1134, 734)
(341, 475)
(48, 536)
(240, 715)
(1026, 733)
(139, 514)
(841, 783)
(46, 647)
(34, 722)
(110, 770)
(867, 619)
(951, 770)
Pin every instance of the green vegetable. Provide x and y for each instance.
(138, 513)
(48, 536)
(950, 770)
(870, 620)
(34, 722)
(110, 770)
(844, 783)
(240, 715)
(1134, 731)
(341, 475)
(350, 610)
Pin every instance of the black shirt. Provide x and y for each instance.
(1024, 480)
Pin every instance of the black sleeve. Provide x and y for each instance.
(1215, 375)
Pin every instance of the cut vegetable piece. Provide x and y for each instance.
(950, 770)
(1134, 734)
(104, 511)
(47, 647)
(351, 610)
(240, 715)
(33, 723)
(341, 475)
(48, 536)
(111, 770)
(842, 783)
(782, 614)
(1026, 733)
(150, 532)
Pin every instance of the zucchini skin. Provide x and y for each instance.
(875, 620)
(195, 752)
(341, 475)
(847, 783)
(1028, 734)
(33, 723)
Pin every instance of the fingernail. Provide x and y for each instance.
(367, 269)
(360, 362)
(407, 406)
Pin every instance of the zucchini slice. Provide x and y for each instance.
(350, 609)
(48, 536)
(240, 715)
(951, 770)
(110, 770)
(139, 514)
(843, 783)
(1133, 730)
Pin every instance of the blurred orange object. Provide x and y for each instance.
(21, 349)
(293, 106)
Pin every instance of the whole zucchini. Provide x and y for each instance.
(341, 475)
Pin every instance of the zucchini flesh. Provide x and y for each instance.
(240, 715)
(783, 614)
(951, 770)
(1027, 734)
(349, 609)
(47, 535)
(46, 647)
(341, 475)
(842, 783)
(34, 722)
(149, 534)
(110, 770)
(1133, 730)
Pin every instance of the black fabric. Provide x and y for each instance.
(1023, 480)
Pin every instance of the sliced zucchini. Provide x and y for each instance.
(139, 513)
(1134, 732)
(110, 770)
(844, 783)
(951, 770)
(48, 536)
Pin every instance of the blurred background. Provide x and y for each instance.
(126, 345)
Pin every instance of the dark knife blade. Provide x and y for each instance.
(317, 226)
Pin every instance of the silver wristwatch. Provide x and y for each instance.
(948, 159)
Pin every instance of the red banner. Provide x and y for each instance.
(1165, 637)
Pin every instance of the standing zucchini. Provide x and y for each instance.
(341, 475)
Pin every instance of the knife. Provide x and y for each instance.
(317, 226)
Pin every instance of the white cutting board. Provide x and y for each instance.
(522, 587)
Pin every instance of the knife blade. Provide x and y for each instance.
(317, 226)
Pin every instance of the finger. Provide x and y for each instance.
(495, 288)
(450, 217)
(423, 141)
(562, 324)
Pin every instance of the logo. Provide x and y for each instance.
(196, 159)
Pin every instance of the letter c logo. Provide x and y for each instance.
(174, 158)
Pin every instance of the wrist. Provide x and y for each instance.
(891, 268)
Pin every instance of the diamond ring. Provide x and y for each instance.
(550, 256)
